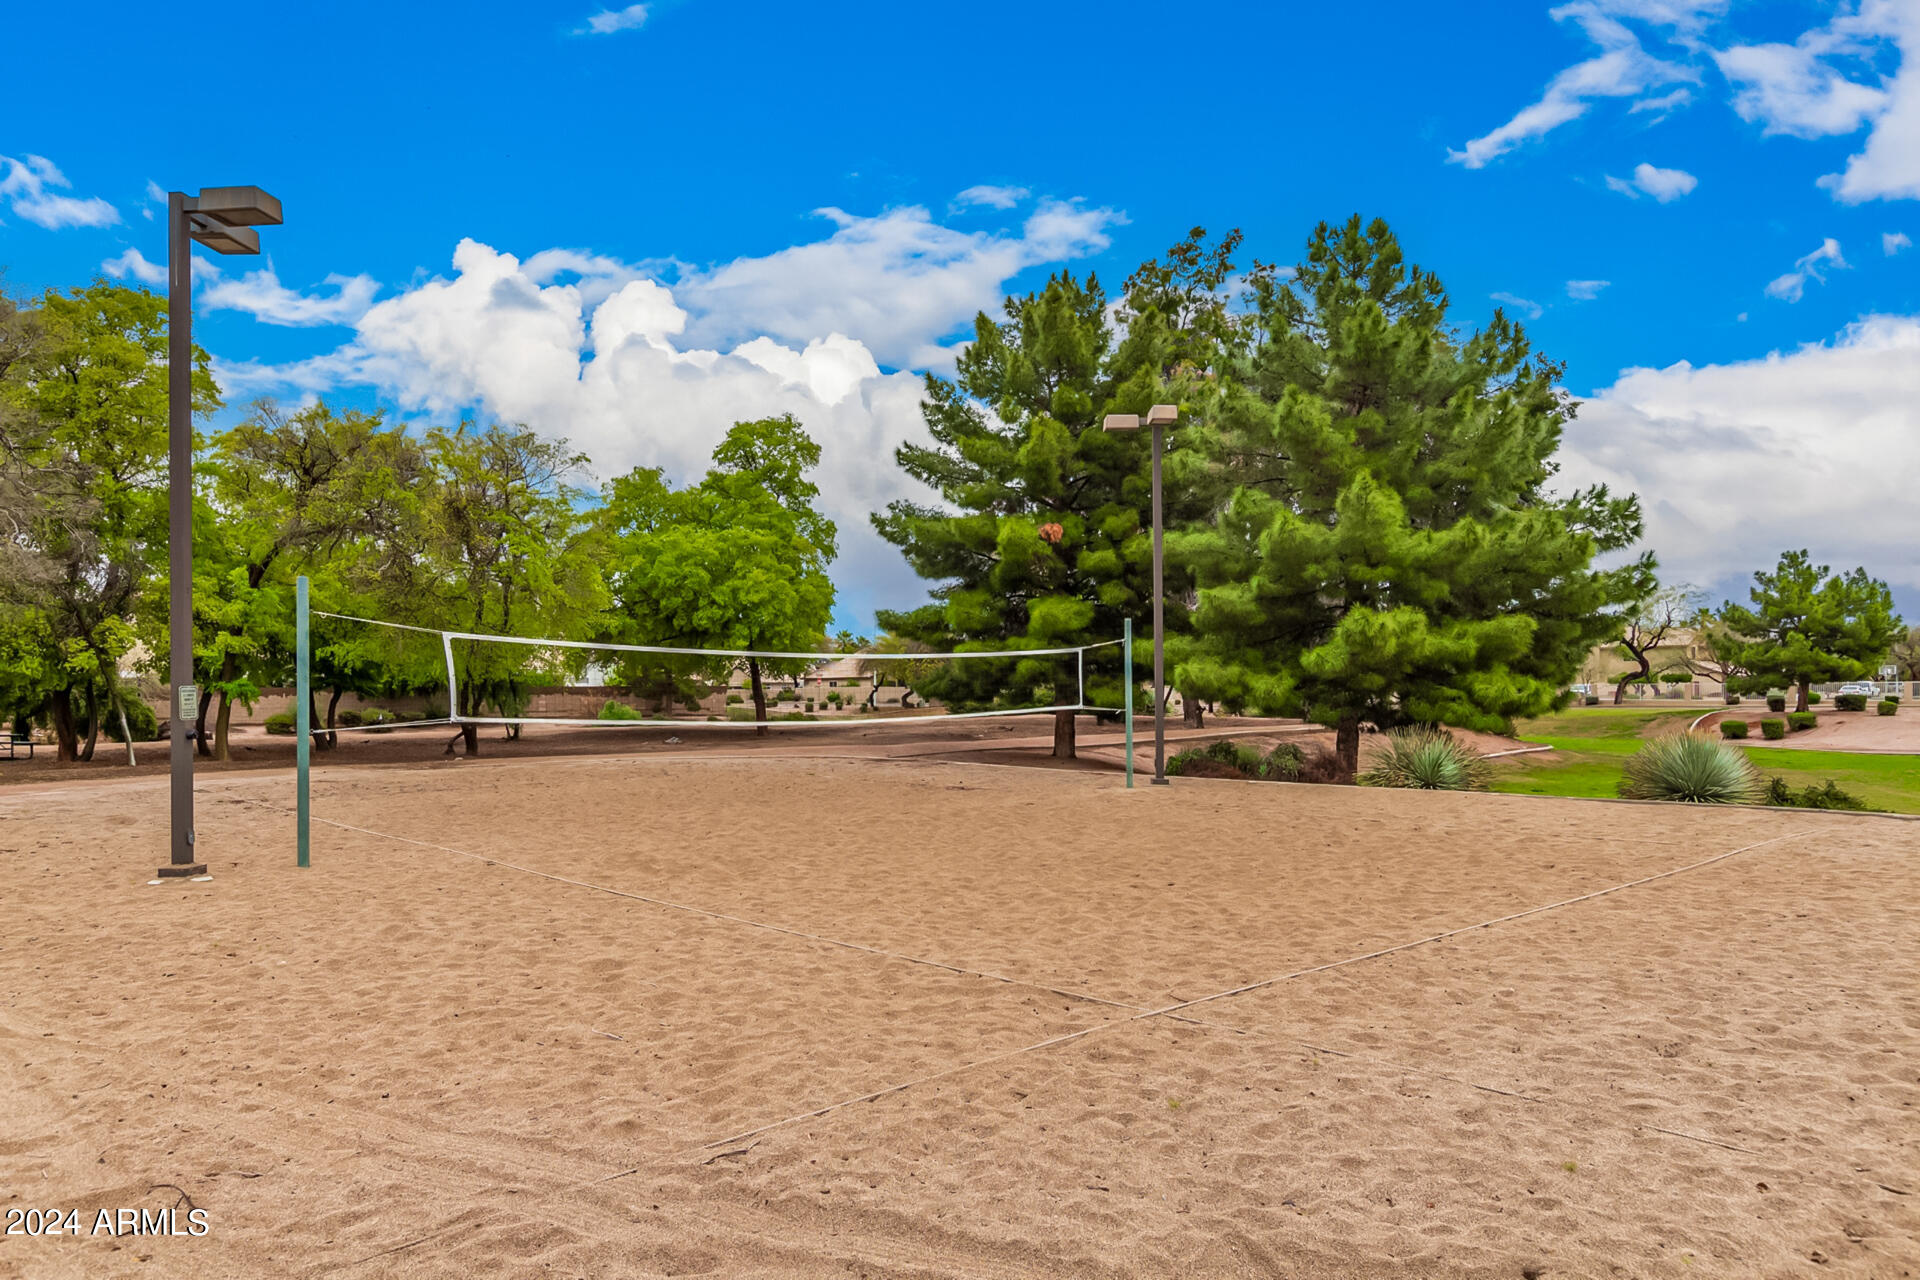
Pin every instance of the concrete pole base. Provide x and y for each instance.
(1163, 782)
(183, 869)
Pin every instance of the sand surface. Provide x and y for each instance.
(610, 1017)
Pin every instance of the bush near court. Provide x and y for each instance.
(1591, 747)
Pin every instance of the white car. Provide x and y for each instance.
(1861, 687)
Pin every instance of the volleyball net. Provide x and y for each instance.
(481, 678)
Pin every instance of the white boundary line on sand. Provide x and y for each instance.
(1136, 1013)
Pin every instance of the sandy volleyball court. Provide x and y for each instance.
(652, 1016)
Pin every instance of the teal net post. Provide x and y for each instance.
(1126, 683)
(302, 719)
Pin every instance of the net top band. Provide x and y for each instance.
(716, 653)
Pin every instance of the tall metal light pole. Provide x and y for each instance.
(1160, 417)
(222, 219)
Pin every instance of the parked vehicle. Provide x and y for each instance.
(1866, 688)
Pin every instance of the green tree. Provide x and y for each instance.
(1388, 550)
(290, 494)
(83, 447)
(498, 545)
(738, 561)
(1649, 622)
(1717, 652)
(1906, 653)
(1042, 540)
(1807, 624)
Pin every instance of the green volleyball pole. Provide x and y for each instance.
(1126, 682)
(302, 718)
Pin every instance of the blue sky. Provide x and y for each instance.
(1712, 194)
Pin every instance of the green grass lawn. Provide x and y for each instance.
(1591, 743)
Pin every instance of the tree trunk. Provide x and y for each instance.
(222, 725)
(200, 727)
(93, 722)
(759, 696)
(1191, 712)
(1064, 726)
(333, 705)
(223, 712)
(1805, 683)
(1346, 746)
(67, 741)
(321, 741)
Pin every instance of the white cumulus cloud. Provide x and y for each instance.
(1812, 266)
(1737, 462)
(1531, 308)
(608, 21)
(992, 197)
(636, 370)
(134, 263)
(1664, 185)
(25, 184)
(1892, 242)
(261, 295)
(898, 282)
(1585, 290)
(1622, 69)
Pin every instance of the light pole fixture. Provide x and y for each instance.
(1160, 417)
(222, 219)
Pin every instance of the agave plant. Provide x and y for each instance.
(1428, 758)
(1691, 768)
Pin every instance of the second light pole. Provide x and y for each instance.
(1159, 418)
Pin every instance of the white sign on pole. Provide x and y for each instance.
(189, 699)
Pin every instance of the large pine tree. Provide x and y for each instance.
(1044, 538)
(1388, 549)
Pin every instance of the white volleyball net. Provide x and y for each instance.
(466, 677)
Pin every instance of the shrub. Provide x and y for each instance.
(1283, 763)
(1826, 796)
(1733, 699)
(280, 723)
(1889, 705)
(786, 695)
(349, 719)
(1593, 700)
(613, 709)
(1773, 730)
(1221, 759)
(1813, 697)
(1798, 720)
(141, 722)
(1733, 728)
(1428, 758)
(734, 699)
(740, 713)
(1776, 702)
(1690, 768)
(1849, 702)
